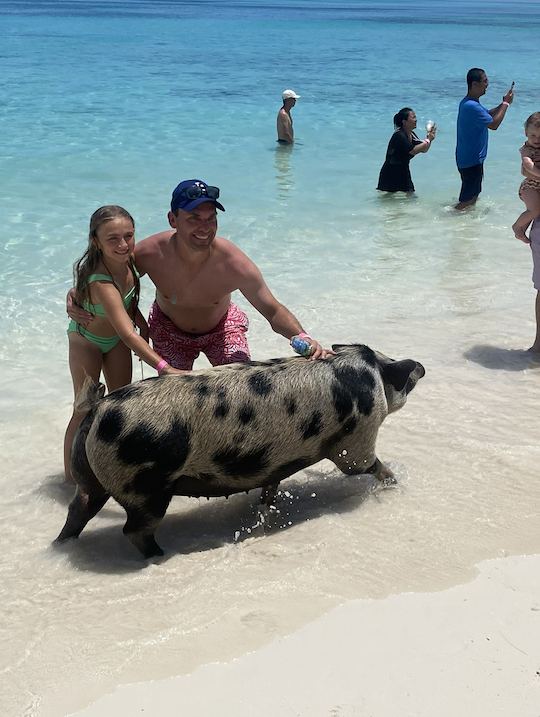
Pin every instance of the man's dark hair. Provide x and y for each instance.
(474, 75)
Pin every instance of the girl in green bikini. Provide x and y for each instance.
(107, 285)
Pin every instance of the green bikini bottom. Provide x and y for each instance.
(104, 343)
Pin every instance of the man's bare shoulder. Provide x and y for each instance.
(150, 249)
(234, 258)
(154, 243)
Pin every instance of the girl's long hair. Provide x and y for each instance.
(91, 258)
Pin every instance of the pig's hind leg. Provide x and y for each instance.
(82, 508)
(143, 518)
(90, 496)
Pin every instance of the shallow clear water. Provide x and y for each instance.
(115, 103)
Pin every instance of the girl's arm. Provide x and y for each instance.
(115, 312)
(141, 324)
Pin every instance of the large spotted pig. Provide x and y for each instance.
(229, 429)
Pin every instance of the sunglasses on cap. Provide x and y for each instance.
(200, 190)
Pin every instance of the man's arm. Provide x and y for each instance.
(282, 321)
(76, 312)
(498, 113)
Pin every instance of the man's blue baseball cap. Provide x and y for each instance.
(192, 192)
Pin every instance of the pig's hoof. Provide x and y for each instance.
(66, 533)
(148, 547)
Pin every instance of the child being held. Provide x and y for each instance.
(529, 190)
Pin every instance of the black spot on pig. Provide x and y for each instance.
(353, 385)
(203, 390)
(233, 463)
(221, 409)
(368, 355)
(260, 384)
(342, 401)
(168, 449)
(110, 425)
(290, 405)
(312, 426)
(246, 414)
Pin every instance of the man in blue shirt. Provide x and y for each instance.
(473, 123)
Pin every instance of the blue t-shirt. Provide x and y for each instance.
(472, 133)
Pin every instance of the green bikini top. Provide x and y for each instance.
(97, 309)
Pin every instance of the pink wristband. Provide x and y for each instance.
(504, 102)
(303, 335)
(161, 365)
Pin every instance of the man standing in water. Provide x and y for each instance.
(285, 131)
(473, 123)
(195, 272)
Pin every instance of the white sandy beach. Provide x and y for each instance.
(473, 649)
(421, 601)
(351, 601)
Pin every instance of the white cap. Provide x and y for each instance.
(290, 95)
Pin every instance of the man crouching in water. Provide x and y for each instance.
(195, 272)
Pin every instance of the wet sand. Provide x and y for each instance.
(473, 649)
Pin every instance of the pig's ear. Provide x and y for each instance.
(338, 347)
(398, 372)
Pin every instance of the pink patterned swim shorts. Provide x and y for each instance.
(226, 343)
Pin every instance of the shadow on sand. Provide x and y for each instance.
(212, 524)
(497, 357)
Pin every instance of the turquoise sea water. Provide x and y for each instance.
(115, 102)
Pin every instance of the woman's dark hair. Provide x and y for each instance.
(401, 116)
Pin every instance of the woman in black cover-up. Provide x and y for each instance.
(395, 175)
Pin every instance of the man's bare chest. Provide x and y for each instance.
(191, 288)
